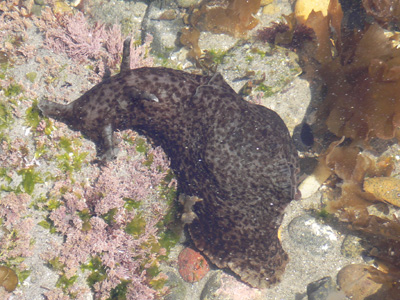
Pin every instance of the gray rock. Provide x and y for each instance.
(311, 235)
(129, 14)
(324, 289)
(212, 285)
(275, 73)
(351, 247)
(216, 42)
(176, 284)
(279, 66)
(164, 32)
(187, 3)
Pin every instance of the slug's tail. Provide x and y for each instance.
(55, 110)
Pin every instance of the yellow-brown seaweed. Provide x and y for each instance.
(190, 39)
(360, 70)
(360, 281)
(386, 189)
(233, 17)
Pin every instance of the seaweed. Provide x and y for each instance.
(360, 74)
(233, 17)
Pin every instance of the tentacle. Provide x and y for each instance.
(126, 56)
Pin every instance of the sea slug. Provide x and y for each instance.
(235, 162)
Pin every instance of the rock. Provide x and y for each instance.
(61, 8)
(311, 234)
(232, 289)
(211, 287)
(187, 3)
(324, 289)
(351, 247)
(270, 9)
(129, 14)
(314, 181)
(354, 280)
(265, 2)
(36, 10)
(177, 287)
(192, 265)
(164, 32)
(279, 65)
(272, 75)
(216, 42)
(168, 15)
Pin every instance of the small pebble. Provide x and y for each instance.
(192, 265)
(351, 247)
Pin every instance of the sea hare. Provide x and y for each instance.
(235, 162)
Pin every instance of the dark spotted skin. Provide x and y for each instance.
(235, 157)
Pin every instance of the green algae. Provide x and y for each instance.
(13, 90)
(267, 90)
(64, 283)
(31, 76)
(6, 116)
(71, 160)
(29, 179)
(131, 204)
(136, 226)
(85, 216)
(5, 176)
(109, 216)
(141, 145)
(32, 115)
(97, 271)
(119, 292)
(217, 56)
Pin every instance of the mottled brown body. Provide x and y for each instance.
(237, 158)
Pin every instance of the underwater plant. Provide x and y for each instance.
(355, 64)
(233, 17)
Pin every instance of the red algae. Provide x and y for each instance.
(192, 265)
(290, 34)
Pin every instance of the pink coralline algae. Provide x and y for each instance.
(192, 265)
(124, 256)
(14, 31)
(72, 34)
(79, 40)
(17, 243)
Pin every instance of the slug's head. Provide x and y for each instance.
(59, 112)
